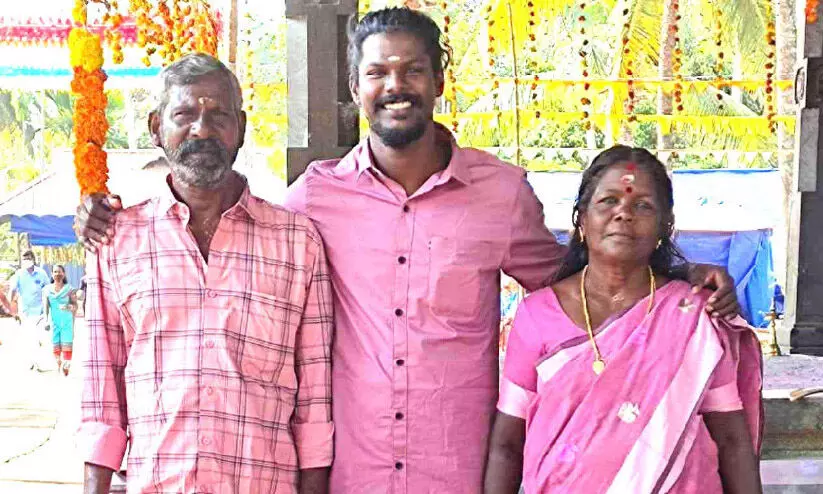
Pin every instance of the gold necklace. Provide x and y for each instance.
(599, 364)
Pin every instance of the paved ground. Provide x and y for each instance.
(39, 413)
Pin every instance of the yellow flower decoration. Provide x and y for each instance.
(85, 50)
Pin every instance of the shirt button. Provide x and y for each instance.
(209, 344)
(398, 415)
(406, 208)
(398, 312)
(401, 260)
(398, 466)
(400, 362)
(210, 293)
(205, 441)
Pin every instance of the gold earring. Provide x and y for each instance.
(581, 236)
(659, 243)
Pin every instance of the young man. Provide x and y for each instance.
(417, 231)
(210, 320)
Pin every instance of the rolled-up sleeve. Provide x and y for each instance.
(101, 437)
(533, 254)
(312, 424)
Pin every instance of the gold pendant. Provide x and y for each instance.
(598, 366)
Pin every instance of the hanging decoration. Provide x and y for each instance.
(585, 101)
(770, 67)
(451, 94)
(677, 58)
(90, 124)
(811, 11)
(490, 51)
(531, 57)
(629, 66)
(169, 32)
(55, 32)
(718, 66)
(248, 78)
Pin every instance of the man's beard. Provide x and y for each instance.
(202, 163)
(398, 138)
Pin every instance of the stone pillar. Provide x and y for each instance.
(322, 119)
(804, 280)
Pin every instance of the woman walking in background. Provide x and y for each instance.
(59, 304)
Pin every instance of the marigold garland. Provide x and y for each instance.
(630, 103)
(718, 67)
(90, 124)
(770, 66)
(585, 102)
(811, 11)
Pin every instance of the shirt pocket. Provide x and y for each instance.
(458, 271)
(266, 348)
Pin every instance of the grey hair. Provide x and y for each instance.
(188, 69)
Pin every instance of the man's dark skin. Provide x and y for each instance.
(203, 112)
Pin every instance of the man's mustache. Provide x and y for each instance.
(197, 146)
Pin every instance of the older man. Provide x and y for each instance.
(210, 320)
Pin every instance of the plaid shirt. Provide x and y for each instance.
(220, 372)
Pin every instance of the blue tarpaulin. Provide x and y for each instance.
(45, 231)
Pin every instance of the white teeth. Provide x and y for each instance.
(398, 106)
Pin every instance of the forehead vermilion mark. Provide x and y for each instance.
(631, 167)
(207, 102)
(629, 190)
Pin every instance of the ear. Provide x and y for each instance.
(241, 127)
(354, 89)
(154, 129)
(439, 83)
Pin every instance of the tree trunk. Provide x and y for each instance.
(667, 47)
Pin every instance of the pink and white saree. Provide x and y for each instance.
(637, 427)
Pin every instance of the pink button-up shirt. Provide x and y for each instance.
(218, 374)
(417, 308)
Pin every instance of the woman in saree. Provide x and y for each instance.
(616, 380)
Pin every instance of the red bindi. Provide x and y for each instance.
(631, 167)
(628, 190)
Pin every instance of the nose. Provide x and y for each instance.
(624, 211)
(199, 128)
(395, 81)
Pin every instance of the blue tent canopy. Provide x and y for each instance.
(45, 231)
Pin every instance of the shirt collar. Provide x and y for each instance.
(457, 168)
(166, 200)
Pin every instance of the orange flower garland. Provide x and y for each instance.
(90, 124)
(450, 78)
(718, 67)
(677, 59)
(532, 63)
(811, 11)
(770, 66)
(630, 103)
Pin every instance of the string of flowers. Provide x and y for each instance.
(90, 124)
(770, 66)
(532, 63)
(677, 58)
(718, 66)
(811, 11)
(585, 102)
(629, 66)
(495, 92)
(249, 58)
(452, 81)
(188, 26)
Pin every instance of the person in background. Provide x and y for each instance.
(27, 286)
(60, 305)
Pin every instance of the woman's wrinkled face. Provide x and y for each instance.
(622, 221)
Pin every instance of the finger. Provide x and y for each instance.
(89, 246)
(95, 229)
(725, 306)
(114, 202)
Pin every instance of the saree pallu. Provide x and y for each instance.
(637, 427)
